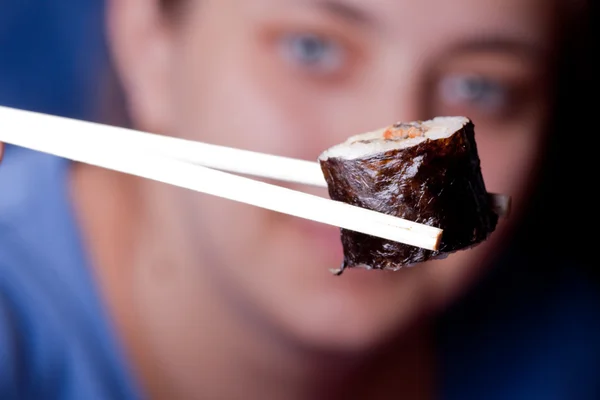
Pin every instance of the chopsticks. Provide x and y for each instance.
(177, 162)
(256, 164)
(239, 161)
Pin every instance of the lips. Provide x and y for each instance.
(324, 238)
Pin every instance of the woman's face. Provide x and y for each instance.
(294, 77)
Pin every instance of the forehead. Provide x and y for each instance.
(528, 20)
(399, 10)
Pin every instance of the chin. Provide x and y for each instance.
(358, 311)
(308, 306)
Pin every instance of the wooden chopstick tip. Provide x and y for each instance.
(438, 241)
(501, 204)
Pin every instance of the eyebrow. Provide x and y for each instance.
(346, 11)
(502, 44)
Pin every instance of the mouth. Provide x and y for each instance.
(324, 239)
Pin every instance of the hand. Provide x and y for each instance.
(1, 150)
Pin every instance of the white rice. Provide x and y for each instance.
(370, 143)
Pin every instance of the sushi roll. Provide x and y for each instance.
(424, 171)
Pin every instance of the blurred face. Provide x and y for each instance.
(294, 77)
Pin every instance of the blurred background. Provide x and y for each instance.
(53, 59)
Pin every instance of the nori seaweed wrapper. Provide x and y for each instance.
(436, 182)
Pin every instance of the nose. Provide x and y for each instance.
(380, 103)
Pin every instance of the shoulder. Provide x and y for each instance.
(30, 342)
(52, 345)
(55, 341)
(55, 337)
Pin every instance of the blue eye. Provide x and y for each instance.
(313, 52)
(474, 91)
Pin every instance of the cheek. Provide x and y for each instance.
(217, 101)
(509, 160)
(225, 100)
(232, 232)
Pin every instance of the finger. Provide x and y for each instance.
(1, 150)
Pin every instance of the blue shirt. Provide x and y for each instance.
(56, 341)
(525, 341)
(530, 332)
